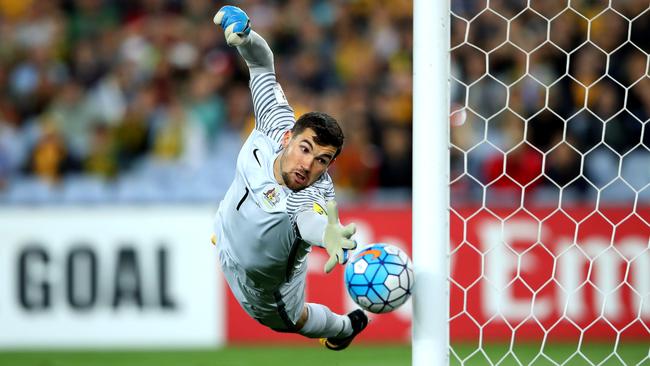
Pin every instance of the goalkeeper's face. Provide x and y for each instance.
(303, 161)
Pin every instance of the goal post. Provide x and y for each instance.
(431, 182)
(531, 183)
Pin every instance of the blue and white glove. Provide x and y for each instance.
(235, 23)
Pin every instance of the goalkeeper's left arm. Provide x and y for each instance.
(327, 232)
(251, 46)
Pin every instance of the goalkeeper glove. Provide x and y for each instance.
(235, 23)
(336, 238)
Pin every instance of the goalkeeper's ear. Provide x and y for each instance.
(286, 138)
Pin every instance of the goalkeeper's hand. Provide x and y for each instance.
(235, 23)
(337, 238)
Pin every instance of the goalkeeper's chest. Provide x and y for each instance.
(255, 170)
(261, 192)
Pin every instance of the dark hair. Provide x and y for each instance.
(328, 132)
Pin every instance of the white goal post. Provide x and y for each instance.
(531, 182)
(430, 182)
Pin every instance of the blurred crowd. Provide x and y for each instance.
(142, 101)
(559, 112)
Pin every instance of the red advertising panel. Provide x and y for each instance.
(532, 273)
(554, 273)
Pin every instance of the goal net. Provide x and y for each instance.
(550, 182)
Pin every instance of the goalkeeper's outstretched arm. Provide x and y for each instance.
(327, 232)
(251, 46)
(273, 115)
(257, 54)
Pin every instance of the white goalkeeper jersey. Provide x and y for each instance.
(255, 224)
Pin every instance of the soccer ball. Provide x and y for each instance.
(379, 278)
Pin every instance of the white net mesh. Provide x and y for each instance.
(550, 182)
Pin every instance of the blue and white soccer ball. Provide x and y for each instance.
(379, 278)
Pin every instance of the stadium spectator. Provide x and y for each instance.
(126, 64)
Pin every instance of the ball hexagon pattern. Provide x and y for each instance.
(379, 277)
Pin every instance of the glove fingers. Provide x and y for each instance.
(246, 29)
(231, 29)
(349, 244)
(346, 256)
(237, 28)
(234, 38)
(218, 18)
(332, 213)
(232, 20)
(341, 256)
(329, 265)
(349, 230)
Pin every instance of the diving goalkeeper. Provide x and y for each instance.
(280, 204)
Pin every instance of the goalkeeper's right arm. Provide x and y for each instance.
(253, 48)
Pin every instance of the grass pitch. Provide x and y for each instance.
(357, 355)
(228, 356)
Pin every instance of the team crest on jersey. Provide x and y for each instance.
(271, 196)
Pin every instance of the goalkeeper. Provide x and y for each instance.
(280, 204)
